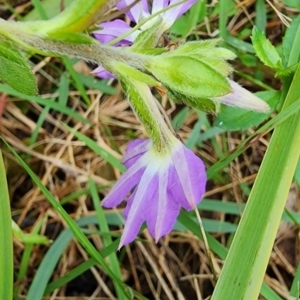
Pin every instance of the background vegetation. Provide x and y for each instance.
(63, 149)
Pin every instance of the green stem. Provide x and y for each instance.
(253, 241)
(90, 51)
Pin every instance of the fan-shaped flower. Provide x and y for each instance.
(162, 183)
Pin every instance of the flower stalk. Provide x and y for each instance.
(143, 103)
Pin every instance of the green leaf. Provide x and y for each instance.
(202, 104)
(256, 233)
(207, 52)
(204, 48)
(96, 84)
(220, 65)
(295, 292)
(107, 239)
(28, 238)
(6, 246)
(287, 72)
(233, 118)
(261, 15)
(72, 38)
(189, 76)
(52, 7)
(292, 3)
(289, 46)
(51, 258)
(265, 51)
(238, 43)
(297, 174)
(15, 71)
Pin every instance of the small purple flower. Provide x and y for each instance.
(162, 183)
(110, 30)
(140, 11)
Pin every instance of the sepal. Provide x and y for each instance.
(205, 105)
(188, 76)
(128, 72)
(205, 48)
(71, 38)
(142, 102)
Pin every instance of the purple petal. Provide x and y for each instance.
(126, 182)
(110, 30)
(191, 173)
(102, 73)
(166, 218)
(171, 15)
(134, 150)
(129, 204)
(242, 98)
(176, 190)
(185, 7)
(139, 205)
(151, 213)
(158, 5)
(137, 12)
(162, 213)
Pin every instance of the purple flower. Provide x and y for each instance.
(162, 183)
(140, 11)
(111, 30)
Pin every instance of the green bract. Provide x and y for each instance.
(140, 98)
(203, 104)
(72, 38)
(188, 76)
(207, 52)
(205, 48)
(126, 71)
(13, 66)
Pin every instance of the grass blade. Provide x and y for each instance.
(107, 240)
(6, 246)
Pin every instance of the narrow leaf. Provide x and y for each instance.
(290, 47)
(6, 243)
(265, 51)
(297, 174)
